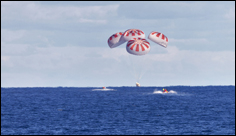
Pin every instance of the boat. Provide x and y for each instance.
(164, 91)
(137, 84)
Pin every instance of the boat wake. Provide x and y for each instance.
(160, 92)
(104, 89)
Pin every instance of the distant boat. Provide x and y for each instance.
(103, 87)
(137, 84)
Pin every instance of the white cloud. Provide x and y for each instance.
(17, 49)
(92, 21)
(10, 35)
(35, 12)
(5, 58)
(190, 41)
(90, 62)
(197, 58)
(231, 14)
(63, 45)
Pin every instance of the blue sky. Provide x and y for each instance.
(50, 44)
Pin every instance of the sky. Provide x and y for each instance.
(64, 43)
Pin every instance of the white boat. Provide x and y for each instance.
(137, 84)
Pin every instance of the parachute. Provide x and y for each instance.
(138, 46)
(136, 42)
(158, 38)
(115, 40)
(130, 34)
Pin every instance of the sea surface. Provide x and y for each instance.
(185, 110)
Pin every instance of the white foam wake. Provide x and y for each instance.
(172, 91)
(160, 92)
(103, 89)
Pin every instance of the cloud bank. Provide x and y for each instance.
(65, 44)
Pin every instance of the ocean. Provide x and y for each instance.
(185, 110)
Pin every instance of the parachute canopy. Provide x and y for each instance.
(158, 38)
(138, 46)
(136, 42)
(115, 40)
(132, 33)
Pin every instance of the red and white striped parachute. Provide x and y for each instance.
(130, 34)
(115, 40)
(136, 42)
(158, 38)
(138, 46)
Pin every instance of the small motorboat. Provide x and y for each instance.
(165, 90)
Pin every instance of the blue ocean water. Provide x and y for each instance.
(186, 110)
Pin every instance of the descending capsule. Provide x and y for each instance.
(132, 33)
(138, 46)
(158, 38)
(115, 40)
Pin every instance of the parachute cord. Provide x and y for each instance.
(138, 66)
(144, 67)
(133, 71)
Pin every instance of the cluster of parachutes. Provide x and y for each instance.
(136, 42)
